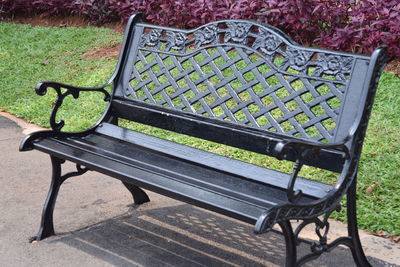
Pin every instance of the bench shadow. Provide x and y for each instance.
(186, 236)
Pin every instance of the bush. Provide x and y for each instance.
(338, 24)
(334, 24)
(370, 24)
(189, 14)
(47, 7)
(179, 13)
(97, 11)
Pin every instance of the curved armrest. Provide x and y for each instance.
(305, 148)
(312, 209)
(41, 89)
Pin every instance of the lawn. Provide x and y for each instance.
(31, 54)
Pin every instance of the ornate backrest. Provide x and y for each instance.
(247, 75)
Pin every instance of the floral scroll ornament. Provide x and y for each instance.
(237, 32)
(333, 65)
(298, 59)
(176, 41)
(206, 35)
(151, 39)
(267, 42)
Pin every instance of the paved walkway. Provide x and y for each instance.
(96, 227)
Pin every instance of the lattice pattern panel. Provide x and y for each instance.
(245, 74)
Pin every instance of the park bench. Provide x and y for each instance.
(239, 83)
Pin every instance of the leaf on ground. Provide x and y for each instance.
(371, 189)
(395, 238)
(381, 233)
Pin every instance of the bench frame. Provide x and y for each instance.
(345, 152)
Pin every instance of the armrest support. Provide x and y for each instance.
(41, 89)
(309, 210)
(305, 148)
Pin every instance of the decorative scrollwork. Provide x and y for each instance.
(206, 35)
(176, 41)
(298, 59)
(151, 39)
(237, 32)
(320, 246)
(41, 89)
(79, 171)
(267, 42)
(335, 65)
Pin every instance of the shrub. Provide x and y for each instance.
(9, 7)
(338, 24)
(370, 24)
(334, 24)
(45, 7)
(189, 14)
(295, 17)
(97, 11)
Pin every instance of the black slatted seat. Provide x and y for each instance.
(241, 189)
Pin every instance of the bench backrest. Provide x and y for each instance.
(241, 83)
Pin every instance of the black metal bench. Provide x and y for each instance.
(238, 83)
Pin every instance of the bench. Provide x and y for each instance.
(238, 83)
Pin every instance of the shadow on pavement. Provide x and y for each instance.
(187, 236)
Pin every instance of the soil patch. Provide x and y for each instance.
(68, 21)
(100, 52)
(394, 66)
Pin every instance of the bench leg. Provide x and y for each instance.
(291, 245)
(46, 225)
(356, 248)
(139, 196)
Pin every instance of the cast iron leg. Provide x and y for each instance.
(139, 196)
(356, 250)
(290, 240)
(46, 225)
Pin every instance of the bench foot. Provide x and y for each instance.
(321, 246)
(139, 196)
(291, 244)
(46, 225)
(356, 248)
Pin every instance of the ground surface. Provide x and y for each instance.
(96, 227)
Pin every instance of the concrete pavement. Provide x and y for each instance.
(96, 226)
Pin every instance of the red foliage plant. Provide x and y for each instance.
(188, 14)
(337, 24)
(370, 24)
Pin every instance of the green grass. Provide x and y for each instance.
(31, 54)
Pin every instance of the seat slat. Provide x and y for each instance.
(275, 178)
(186, 172)
(157, 182)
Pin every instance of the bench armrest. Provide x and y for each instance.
(308, 210)
(41, 89)
(304, 148)
(295, 209)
